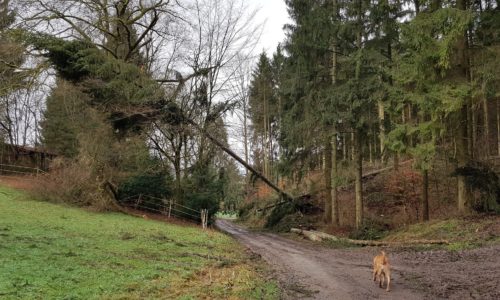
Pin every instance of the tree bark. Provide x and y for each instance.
(356, 135)
(359, 176)
(463, 150)
(344, 146)
(335, 204)
(498, 126)
(328, 181)
(381, 118)
(470, 129)
(370, 151)
(396, 161)
(425, 195)
(486, 120)
(353, 146)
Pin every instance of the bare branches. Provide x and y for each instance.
(102, 22)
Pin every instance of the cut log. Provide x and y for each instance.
(308, 234)
(319, 236)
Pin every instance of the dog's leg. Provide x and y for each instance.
(374, 274)
(388, 275)
(381, 279)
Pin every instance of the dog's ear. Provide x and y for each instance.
(382, 252)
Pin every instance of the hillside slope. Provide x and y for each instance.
(50, 251)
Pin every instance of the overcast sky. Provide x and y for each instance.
(274, 15)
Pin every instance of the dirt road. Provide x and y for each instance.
(310, 271)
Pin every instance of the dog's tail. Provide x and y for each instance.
(385, 257)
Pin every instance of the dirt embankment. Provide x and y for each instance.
(308, 270)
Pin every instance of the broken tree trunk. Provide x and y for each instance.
(226, 149)
(319, 236)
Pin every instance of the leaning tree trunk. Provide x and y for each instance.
(226, 149)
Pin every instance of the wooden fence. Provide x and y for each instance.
(167, 207)
(19, 171)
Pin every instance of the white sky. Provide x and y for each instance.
(273, 14)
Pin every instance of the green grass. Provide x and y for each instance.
(50, 251)
(462, 233)
(227, 215)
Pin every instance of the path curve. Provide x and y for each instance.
(315, 272)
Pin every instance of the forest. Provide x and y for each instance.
(362, 85)
(148, 97)
(372, 128)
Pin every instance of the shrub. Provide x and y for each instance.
(203, 189)
(73, 183)
(405, 187)
(153, 187)
(244, 210)
(482, 178)
(153, 184)
(370, 230)
(279, 212)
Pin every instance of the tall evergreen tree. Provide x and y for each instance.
(263, 111)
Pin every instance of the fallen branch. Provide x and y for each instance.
(318, 236)
(376, 172)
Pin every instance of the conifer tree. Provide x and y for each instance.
(262, 104)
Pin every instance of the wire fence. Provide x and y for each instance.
(166, 207)
(23, 172)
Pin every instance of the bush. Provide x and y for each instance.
(482, 178)
(244, 210)
(73, 183)
(279, 212)
(203, 189)
(156, 185)
(370, 230)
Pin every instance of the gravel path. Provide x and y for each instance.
(310, 271)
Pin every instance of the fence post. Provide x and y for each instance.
(204, 218)
(169, 207)
(138, 201)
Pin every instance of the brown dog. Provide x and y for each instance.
(382, 270)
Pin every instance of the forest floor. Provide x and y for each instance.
(309, 270)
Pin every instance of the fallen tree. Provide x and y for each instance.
(284, 195)
(319, 236)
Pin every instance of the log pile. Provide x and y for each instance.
(319, 236)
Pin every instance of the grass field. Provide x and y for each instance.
(50, 251)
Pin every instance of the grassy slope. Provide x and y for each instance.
(465, 232)
(50, 251)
